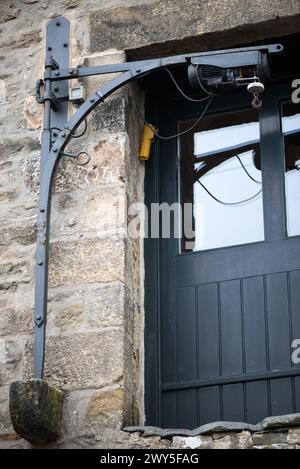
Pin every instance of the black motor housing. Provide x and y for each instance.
(228, 70)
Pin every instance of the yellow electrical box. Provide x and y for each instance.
(147, 139)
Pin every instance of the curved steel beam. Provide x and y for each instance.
(43, 223)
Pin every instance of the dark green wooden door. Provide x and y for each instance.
(223, 304)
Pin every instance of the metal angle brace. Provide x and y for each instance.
(58, 131)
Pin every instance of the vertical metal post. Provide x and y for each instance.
(55, 117)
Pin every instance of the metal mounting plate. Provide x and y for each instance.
(57, 50)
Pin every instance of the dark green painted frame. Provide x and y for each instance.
(272, 144)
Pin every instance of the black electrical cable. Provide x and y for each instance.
(209, 93)
(242, 201)
(169, 137)
(229, 203)
(83, 132)
(73, 136)
(207, 98)
(182, 92)
(55, 128)
(246, 171)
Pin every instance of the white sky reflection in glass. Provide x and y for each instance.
(218, 225)
(291, 130)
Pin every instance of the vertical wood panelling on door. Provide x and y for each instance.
(294, 287)
(209, 351)
(209, 346)
(254, 324)
(231, 328)
(278, 321)
(297, 393)
(257, 404)
(168, 352)
(226, 329)
(282, 399)
(294, 294)
(210, 405)
(169, 410)
(186, 350)
(233, 403)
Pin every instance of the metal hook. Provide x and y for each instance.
(256, 102)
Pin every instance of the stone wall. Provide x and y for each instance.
(95, 328)
(281, 432)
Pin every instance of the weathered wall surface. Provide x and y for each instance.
(95, 328)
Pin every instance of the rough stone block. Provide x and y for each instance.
(153, 442)
(280, 421)
(9, 147)
(269, 438)
(35, 410)
(194, 442)
(156, 28)
(241, 440)
(107, 166)
(111, 56)
(9, 195)
(13, 441)
(293, 436)
(32, 113)
(70, 177)
(106, 306)
(276, 446)
(86, 261)
(93, 412)
(8, 13)
(66, 215)
(23, 40)
(9, 372)
(30, 167)
(105, 409)
(5, 422)
(16, 321)
(62, 296)
(110, 116)
(108, 158)
(23, 233)
(9, 351)
(10, 356)
(15, 268)
(104, 212)
(82, 360)
(67, 318)
(3, 394)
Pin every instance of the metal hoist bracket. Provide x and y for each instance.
(56, 56)
(55, 100)
(52, 92)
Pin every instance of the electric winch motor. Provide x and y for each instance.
(219, 73)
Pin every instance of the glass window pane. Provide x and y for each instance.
(291, 131)
(221, 184)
